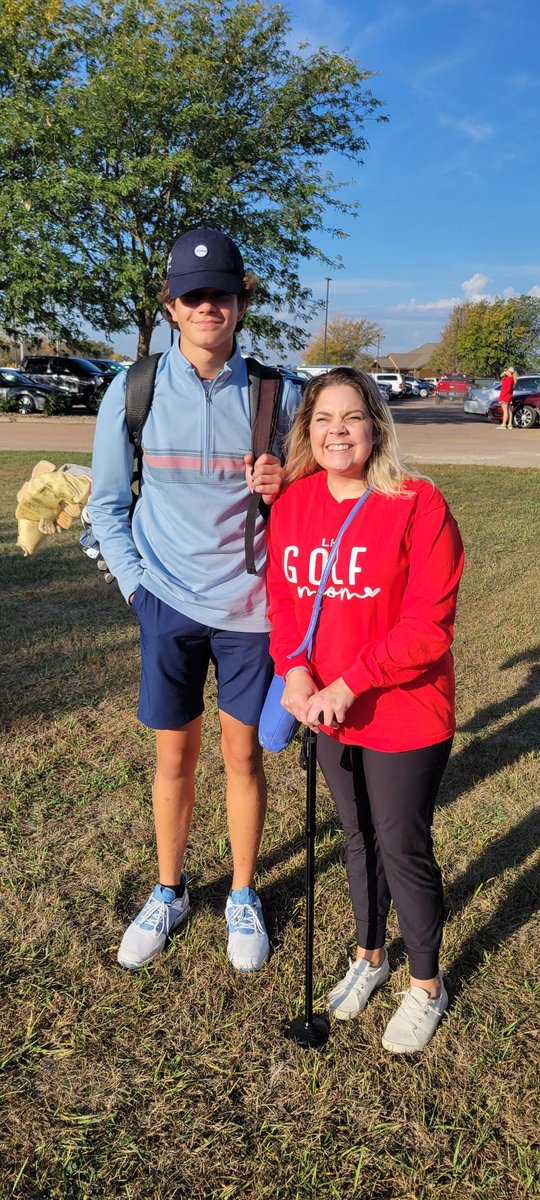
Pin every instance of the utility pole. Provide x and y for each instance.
(328, 282)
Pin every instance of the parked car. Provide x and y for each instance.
(109, 365)
(480, 399)
(84, 382)
(309, 372)
(525, 411)
(30, 396)
(394, 378)
(418, 387)
(452, 387)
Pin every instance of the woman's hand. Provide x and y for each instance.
(299, 689)
(329, 706)
(265, 477)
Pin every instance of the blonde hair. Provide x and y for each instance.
(385, 471)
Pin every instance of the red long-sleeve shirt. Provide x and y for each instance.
(387, 618)
(507, 389)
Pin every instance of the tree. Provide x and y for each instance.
(483, 337)
(140, 121)
(346, 342)
(36, 270)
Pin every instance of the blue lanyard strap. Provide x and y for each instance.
(308, 640)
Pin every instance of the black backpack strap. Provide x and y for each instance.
(140, 380)
(265, 387)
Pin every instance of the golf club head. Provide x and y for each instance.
(310, 1035)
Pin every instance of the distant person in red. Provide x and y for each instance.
(379, 686)
(508, 380)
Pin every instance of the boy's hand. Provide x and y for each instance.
(265, 476)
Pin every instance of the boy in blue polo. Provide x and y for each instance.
(180, 562)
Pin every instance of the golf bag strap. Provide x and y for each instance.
(265, 385)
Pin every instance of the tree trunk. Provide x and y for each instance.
(146, 329)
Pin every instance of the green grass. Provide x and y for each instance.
(176, 1082)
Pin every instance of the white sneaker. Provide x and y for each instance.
(349, 997)
(415, 1022)
(248, 946)
(148, 933)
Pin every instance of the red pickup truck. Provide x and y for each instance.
(451, 387)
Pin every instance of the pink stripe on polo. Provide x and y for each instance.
(173, 460)
(193, 463)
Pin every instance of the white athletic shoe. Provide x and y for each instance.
(148, 933)
(248, 946)
(349, 997)
(413, 1025)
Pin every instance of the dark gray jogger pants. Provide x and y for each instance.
(385, 803)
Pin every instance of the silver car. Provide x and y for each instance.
(480, 399)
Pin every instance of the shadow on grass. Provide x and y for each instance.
(527, 693)
(62, 624)
(485, 756)
(514, 911)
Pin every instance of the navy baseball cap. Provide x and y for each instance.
(205, 258)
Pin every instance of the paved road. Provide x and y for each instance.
(426, 433)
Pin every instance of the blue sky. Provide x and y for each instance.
(450, 189)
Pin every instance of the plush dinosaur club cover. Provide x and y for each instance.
(49, 502)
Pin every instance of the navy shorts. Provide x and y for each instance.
(175, 655)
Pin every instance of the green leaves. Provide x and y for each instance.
(123, 125)
(346, 343)
(482, 338)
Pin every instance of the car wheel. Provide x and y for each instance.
(423, 392)
(525, 417)
(26, 404)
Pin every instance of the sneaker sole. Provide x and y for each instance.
(396, 1048)
(138, 966)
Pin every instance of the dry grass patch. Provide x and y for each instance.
(176, 1081)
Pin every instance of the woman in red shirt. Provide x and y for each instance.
(379, 686)
(508, 379)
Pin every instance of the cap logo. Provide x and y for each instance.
(201, 251)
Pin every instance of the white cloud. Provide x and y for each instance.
(477, 131)
(474, 286)
(508, 293)
(534, 291)
(430, 306)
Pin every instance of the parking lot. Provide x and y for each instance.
(427, 432)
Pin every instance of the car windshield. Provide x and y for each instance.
(108, 365)
(14, 377)
(78, 364)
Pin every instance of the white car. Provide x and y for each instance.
(392, 379)
(479, 399)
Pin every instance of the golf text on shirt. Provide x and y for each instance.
(344, 575)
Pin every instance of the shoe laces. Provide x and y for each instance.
(243, 918)
(412, 1009)
(155, 917)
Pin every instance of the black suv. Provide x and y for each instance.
(81, 380)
